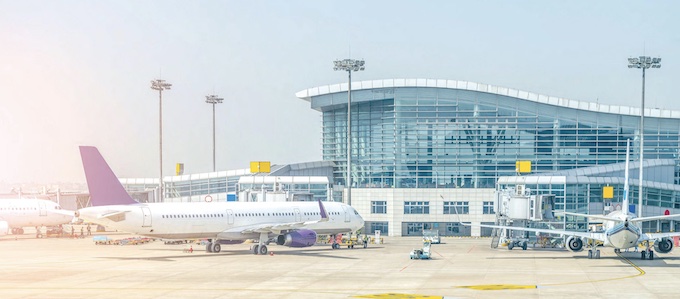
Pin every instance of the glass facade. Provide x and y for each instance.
(433, 137)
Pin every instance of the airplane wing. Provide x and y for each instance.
(113, 215)
(588, 235)
(651, 218)
(600, 217)
(654, 236)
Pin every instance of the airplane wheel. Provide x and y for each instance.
(597, 254)
(644, 255)
(524, 245)
(590, 253)
(208, 247)
(651, 255)
(216, 247)
(255, 248)
(20, 231)
(262, 249)
(511, 245)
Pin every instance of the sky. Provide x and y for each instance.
(78, 72)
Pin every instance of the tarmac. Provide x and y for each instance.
(459, 268)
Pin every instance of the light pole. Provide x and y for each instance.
(643, 62)
(160, 85)
(349, 65)
(213, 99)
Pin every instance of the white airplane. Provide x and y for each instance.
(293, 224)
(621, 230)
(17, 213)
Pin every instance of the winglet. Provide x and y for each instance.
(322, 212)
(104, 186)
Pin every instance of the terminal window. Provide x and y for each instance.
(417, 207)
(456, 207)
(378, 207)
(488, 208)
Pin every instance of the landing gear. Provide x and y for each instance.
(261, 248)
(648, 253)
(213, 246)
(17, 231)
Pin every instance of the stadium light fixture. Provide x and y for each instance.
(349, 65)
(160, 85)
(642, 62)
(213, 99)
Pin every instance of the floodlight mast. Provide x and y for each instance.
(213, 99)
(160, 85)
(642, 62)
(349, 65)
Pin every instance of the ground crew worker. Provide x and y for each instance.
(81, 232)
(89, 230)
(73, 232)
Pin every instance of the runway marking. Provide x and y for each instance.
(496, 287)
(473, 247)
(517, 287)
(399, 296)
(409, 264)
(640, 273)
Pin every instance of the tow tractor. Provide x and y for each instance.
(422, 253)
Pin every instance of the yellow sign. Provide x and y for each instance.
(523, 166)
(179, 169)
(608, 192)
(260, 166)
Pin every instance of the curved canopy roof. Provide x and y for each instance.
(307, 95)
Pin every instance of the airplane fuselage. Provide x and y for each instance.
(19, 213)
(220, 220)
(621, 234)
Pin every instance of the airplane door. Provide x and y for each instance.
(146, 217)
(230, 217)
(346, 213)
(43, 210)
(298, 217)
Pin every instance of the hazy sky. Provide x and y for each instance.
(77, 72)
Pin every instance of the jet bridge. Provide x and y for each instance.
(517, 207)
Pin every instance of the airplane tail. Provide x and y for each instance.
(624, 204)
(322, 212)
(104, 186)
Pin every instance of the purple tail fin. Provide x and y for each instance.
(105, 188)
(322, 212)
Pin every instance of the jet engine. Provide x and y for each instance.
(574, 244)
(663, 245)
(298, 238)
(4, 228)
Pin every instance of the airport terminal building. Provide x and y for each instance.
(423, 149)
(422, 146)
